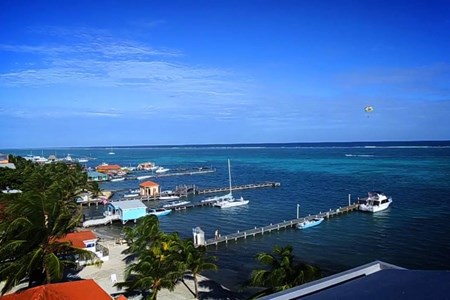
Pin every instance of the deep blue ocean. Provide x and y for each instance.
(413, 233)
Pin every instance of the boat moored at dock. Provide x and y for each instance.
(159, 212)
(176, 204)
(309, 223)
(374, 202)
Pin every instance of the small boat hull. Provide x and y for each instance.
(311, 223)
(159, 212)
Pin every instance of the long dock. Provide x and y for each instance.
(238, 187)
(282, 225)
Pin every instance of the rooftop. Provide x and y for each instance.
(148, 184)
(128, 204)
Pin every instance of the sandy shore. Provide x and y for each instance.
(113, 270)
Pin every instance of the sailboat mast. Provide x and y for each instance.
(229, 174)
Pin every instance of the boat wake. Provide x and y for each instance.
(359, 155)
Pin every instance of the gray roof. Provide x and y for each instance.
(376, 280)
(128, 204)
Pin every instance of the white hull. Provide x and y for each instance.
(143, 177)
(231, 203)
(374, 208)
(169, 197)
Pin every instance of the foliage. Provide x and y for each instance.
(282, 272)
(34, 220)
(159, 260)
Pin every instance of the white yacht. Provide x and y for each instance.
(228, 200)
(375, 201)
(231, 203)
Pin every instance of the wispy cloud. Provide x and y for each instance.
(84, 57)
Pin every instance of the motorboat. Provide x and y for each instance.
(374, 202)
(116, 179)
(159, 212)
(147, 166)
(143, 177)
(133, 195)
(309, 223)
(169, 197)
(176, 204)
(231, 203)
(161, 170)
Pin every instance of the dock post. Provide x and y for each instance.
(245, 235)
(298, 210)
(226, 240)
(349, 199)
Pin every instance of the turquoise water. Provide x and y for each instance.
(413, 233)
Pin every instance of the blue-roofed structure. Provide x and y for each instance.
(127, 210)
(97, 176)
(376, 280)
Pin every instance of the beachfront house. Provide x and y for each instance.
(86, 240)
(126, 210)
(71, 290)
(149, 189)
(97, 176)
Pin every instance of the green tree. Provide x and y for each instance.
(153, 259)
(282, 271)
(34, 221)
(194, 260)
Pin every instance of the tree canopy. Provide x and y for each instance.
(34, 220)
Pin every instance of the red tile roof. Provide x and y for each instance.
(148, 184)
(77, 238)
(108, 167)
(73, 290)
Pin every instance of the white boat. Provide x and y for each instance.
(161, 170)
(159, 212)
(374, 202)
(147, 166)
(116, 179)
(177, 203)
(213, 199)
(309, 223)
(231, 203)
(131, 195)
(169, 197)
(111, 152)
(143, 177)
(229, 200)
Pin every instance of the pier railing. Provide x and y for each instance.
(277, 226)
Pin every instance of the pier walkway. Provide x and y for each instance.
(238, 187)
(285, 224)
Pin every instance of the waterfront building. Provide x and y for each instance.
(97, 176)
(126, 210)
(149, 188)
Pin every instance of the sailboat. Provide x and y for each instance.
(111, 152)
(228, 200)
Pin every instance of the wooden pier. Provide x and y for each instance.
(282, 225)
(238, 187)
(179, 173)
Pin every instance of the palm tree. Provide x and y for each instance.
(283, 272)
(194, 260)
(35, 220)
(153, 258)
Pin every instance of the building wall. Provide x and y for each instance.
(151, 191)
(133, 213)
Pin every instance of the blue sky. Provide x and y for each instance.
(105, 73)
